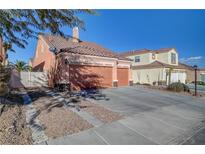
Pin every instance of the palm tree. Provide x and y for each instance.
(22, 66)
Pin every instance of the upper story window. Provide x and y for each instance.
(153, 56)
(137, 59)
(173, 58)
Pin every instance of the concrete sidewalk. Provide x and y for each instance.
(114, 133)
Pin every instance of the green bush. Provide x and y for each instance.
(199, 83)
(178, 87)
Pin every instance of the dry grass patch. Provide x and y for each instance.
(101, 113)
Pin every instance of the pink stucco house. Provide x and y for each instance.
(81, 64)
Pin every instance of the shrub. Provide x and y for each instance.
(146, 84)
(178, 87)
(199, 83)
(162, 83)
(154, 83)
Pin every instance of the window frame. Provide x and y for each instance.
(137, 58)
(173, 58)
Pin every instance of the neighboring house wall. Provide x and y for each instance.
(147, 58)
(157, 74)
(191, 75)
(149, 75)
(144, 59)
(163, 57)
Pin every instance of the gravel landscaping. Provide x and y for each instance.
(13, 127)
(99, 112)
(61, 121)
(56, 120)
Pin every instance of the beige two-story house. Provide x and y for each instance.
(156, 66)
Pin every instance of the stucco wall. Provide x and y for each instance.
(43, 60)
(191, 75)
(163, 57)
(144, 59)
(98, 61)
(148, 75)
(147, 58)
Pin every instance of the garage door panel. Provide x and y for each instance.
(123, 76)
(85, 77)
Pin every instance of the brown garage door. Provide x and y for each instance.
(85, 77)
(123, 76)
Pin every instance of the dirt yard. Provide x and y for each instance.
(57, 120)
(13, 128)
(99, 112)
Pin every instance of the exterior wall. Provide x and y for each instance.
(144, 59)
(163, 57)
(191, 75)
(44, 60)
(87, 76)
(147, 58)
(98, 61)
(148, 75)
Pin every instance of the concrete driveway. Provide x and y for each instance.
(150, 117)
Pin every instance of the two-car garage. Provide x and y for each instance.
(85, 76)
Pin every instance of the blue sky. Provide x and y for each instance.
(122, 30)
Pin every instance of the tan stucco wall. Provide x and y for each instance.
(148, 75)
(144, 59)
(163, 57)
(191, 75)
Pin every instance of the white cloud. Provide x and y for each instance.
(191, 60)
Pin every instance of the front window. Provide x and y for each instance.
(173, 58)
(137, 59)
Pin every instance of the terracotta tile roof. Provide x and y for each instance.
(81, 47)
(157, 64)
(163, 50)
(134, 52)
(143, 51)
(58, 42)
